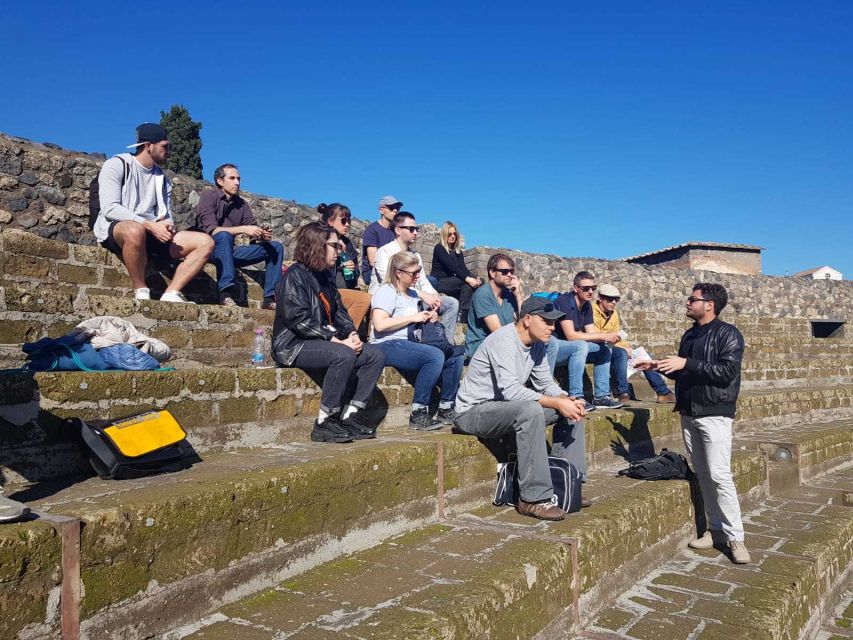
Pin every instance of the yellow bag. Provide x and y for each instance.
(145, 434)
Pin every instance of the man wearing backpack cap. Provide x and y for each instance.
(494, 400)
(135, 215)
(707, 382)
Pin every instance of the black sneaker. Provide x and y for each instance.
(588, 406)
(607, 403)
(330, 431)
(360, 430)
(446, 416)
(422, 421)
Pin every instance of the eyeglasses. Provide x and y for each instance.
(336, 246)
(413, 228)
(505, 272)
(609, 299)
(587, 288)
(414, 273)
(692, 299)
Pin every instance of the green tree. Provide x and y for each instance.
(185, 140)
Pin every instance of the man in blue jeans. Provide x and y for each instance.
(223, 214)
(577, 342)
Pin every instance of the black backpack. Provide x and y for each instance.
(95, 197)
(668, 465)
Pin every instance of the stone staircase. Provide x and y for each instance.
(271, 536)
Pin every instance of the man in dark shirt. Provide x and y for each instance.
(378, 234)
(577, 342)
(223, 214)
(707, 383)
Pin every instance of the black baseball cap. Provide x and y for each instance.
(149, 132)
(538, 306)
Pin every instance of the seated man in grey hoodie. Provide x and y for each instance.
(494, 400)
(135, 216)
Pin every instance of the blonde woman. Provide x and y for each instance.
(449, 274)
(395, 310)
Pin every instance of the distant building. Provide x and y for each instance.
(820, 273)
(744, 259)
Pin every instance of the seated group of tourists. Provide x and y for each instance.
(512, 350)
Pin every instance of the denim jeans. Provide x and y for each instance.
(428, 365)
(340, 362)
(226, 257)
(619, 371)
(709, 443)
(576, 353)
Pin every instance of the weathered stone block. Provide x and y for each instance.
(209, 380)
(101, 305)
(19, 297)
(257, 379)
(73, 274)
(20, 331)
(17, 388)
(280, 408)
(15, 241)
(237, 410)
(222, 315)
(116, 278)
(171, 311)
(193, 414)
(175, 337)
(208, 338)
(158, 384)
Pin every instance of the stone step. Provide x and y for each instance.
(26, 258)
(485, 573)
(233, 408)
(801, 543)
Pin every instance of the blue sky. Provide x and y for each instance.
(581, 129)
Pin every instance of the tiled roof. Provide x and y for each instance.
(696, 245)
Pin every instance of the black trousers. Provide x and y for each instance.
(340, 363)
(459, 289)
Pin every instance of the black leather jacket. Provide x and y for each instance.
(710, 382)
(300, 314)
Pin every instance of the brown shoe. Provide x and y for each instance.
(540, 510)
(669, 398)
(585, 503)
(624, 397)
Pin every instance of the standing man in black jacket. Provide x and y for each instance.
(707, 381)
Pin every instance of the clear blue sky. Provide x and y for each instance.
(582, 129)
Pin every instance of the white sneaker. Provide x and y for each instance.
(12, 511)
(175, 296)
(142, 294)
(739, 553)
(705, 542)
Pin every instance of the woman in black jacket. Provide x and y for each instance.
(312, 330)
(449, 274)
(357, 302)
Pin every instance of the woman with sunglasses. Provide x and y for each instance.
(357, 303)
(395, 312)
(449, 275)
(313, 331)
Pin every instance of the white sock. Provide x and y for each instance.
(322, 417)
(416, 406)
(348, 411)
(445, 405)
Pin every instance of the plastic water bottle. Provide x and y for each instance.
(347, 271)
(258, 349)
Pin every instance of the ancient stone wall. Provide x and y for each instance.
(44, 189)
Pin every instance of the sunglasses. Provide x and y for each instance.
(609, 299)
(587, 288)
(392, 207)
(414, 273)
(505, 272)
(344, 220)
(413, 228)
(692, 299)
(335, 245)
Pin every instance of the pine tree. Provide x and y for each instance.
(185, 141)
